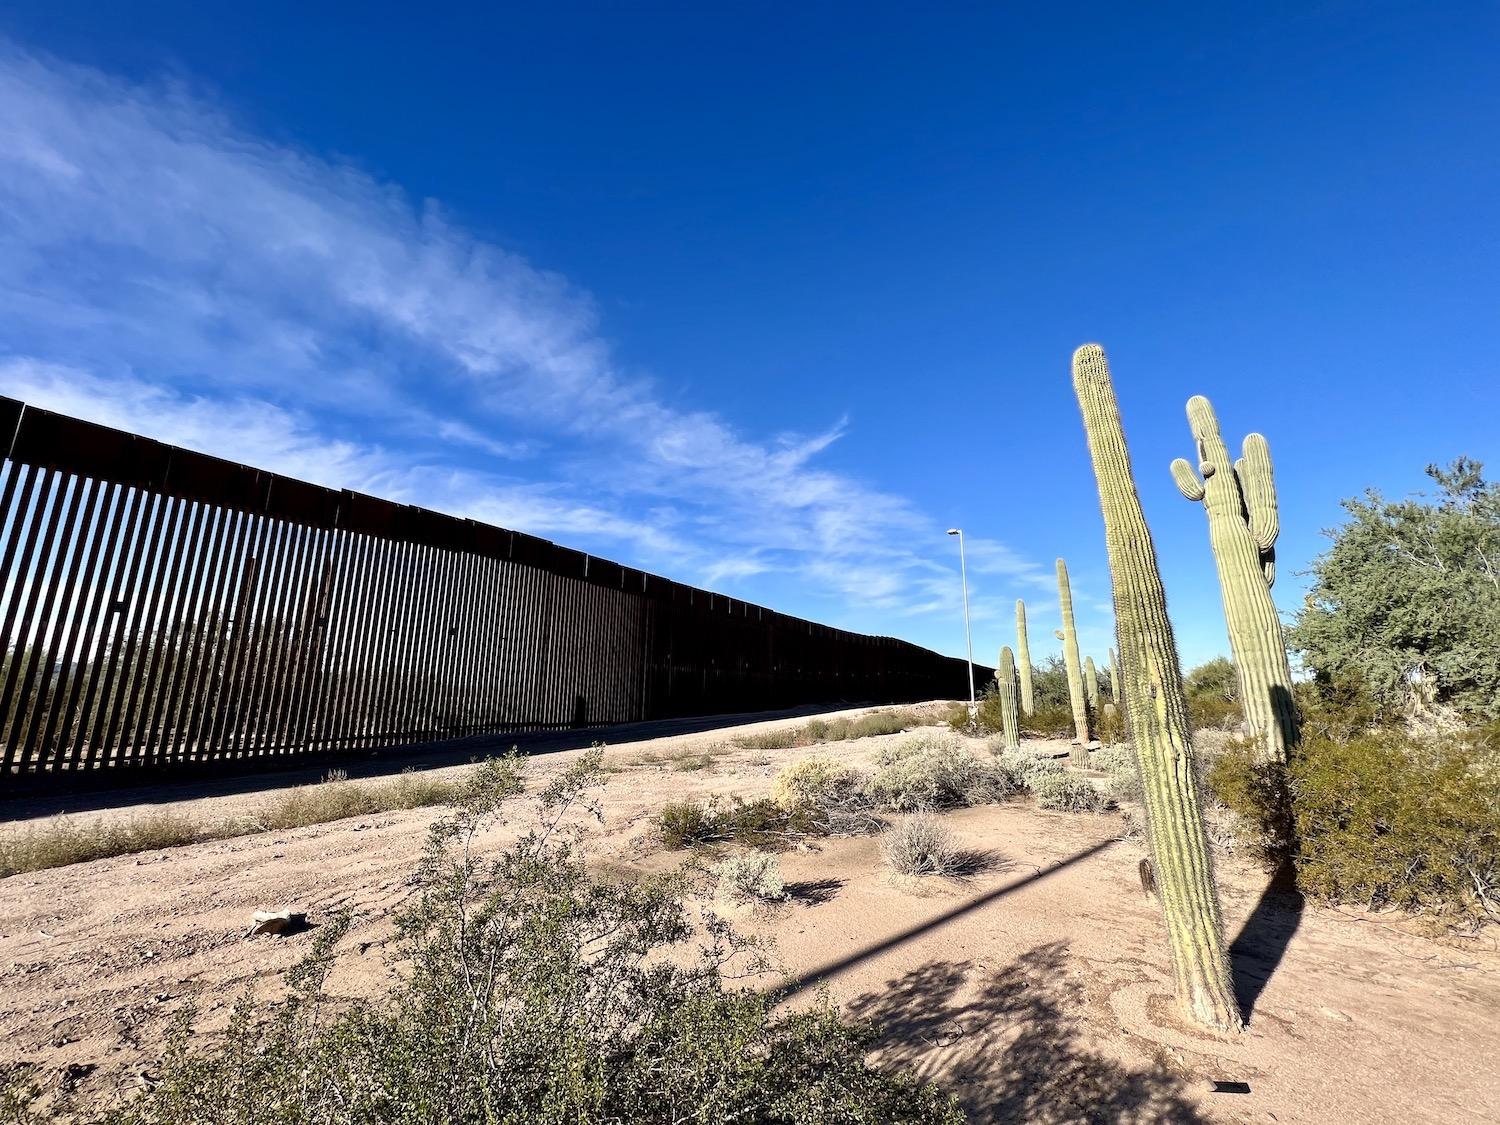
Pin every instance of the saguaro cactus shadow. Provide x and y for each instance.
(1009, 1044)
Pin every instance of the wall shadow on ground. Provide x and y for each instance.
(1009, 1043)
(23, 798)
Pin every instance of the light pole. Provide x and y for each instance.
(963, 567)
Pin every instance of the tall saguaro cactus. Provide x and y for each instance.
(1010, 699)
(1240, 499)
(1082, 733)
(1091, 684)
(1023, 659)
(1115, 694)
(1157, 707)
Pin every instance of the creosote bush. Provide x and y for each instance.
(525, 991)
(920, 845)
(1382, 819)
(1049, 720)
(1065, 792)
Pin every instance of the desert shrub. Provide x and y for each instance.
(1109, 725)
(1115, 759)
(1337, 707)
(1381, 818)
(828, 795)
(957, 717)
(879, 722)
(1049, 683)
(1214, 679)
(936, 772)
(686, 824)
(1050, 720)
(1025, 767)
(838, 729)
(1210, 713)
(920, 845)
(61, 842)
(1066, 792)
(814, 782)
(1124, 772)
(528, 992)
(1387, 820)
(690, 824)
(750, 877)
(1253, 796)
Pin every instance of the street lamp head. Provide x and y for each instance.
(954, 531)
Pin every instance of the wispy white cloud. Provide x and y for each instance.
(164, 270)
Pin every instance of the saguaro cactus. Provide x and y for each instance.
(1157, 707)
(1091, 684)
(1023, 659)
(1115, 694)
(1082, 733)
(1240, 500)
(1010, 700)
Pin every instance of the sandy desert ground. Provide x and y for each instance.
(1036, 989)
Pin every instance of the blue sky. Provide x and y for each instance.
(766, 297)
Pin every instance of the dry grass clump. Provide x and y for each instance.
(754, 877)
(840, 729)
(60, 842)
(920, 845)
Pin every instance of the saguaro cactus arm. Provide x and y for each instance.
(1157, 708)
(1187, 481)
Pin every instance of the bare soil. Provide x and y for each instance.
(1037, 988)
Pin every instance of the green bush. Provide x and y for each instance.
(1215, 679)
(1211, 713)
(1405, 601)
(1110, 726)
(936, 772)
(1051, 720)
(1387, 820)
(1382, 819)
(528, 992)
(1066, 792)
